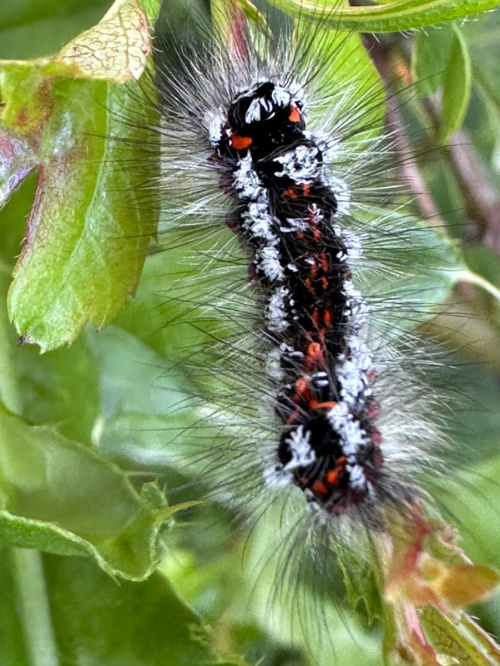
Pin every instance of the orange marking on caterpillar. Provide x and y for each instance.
(314, 353)
(294, 116)
(240, 142)
(301, 385)
(327, 318)
(333, 475)
(317, 234)
(314, 404)
(315, 314)
(319, 487)
(324, 282)
(306, 189)
(290, 192)
(324, 262)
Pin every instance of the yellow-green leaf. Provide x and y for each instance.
(456, 87)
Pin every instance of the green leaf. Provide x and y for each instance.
(460, 638)
(87, 234)
(59, 496)
(59, 389)
(27, 11)
(386, 17)
(30, 35)
(131, 624)
(87, 237)
(478, 498)
(430, 53)
(89, 620)
(362, 587)
(416, 267)
(143, 412)
(456, 88)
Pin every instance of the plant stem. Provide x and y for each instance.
(474, 278)
(34, 607)
(31, 591)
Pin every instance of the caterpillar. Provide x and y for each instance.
(320, 414)
(292, 197)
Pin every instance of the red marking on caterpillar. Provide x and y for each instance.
(295, 115)
(240, 142)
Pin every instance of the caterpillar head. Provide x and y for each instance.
(266, 114)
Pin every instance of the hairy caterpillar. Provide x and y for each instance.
(315, 408)
(285, 212)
